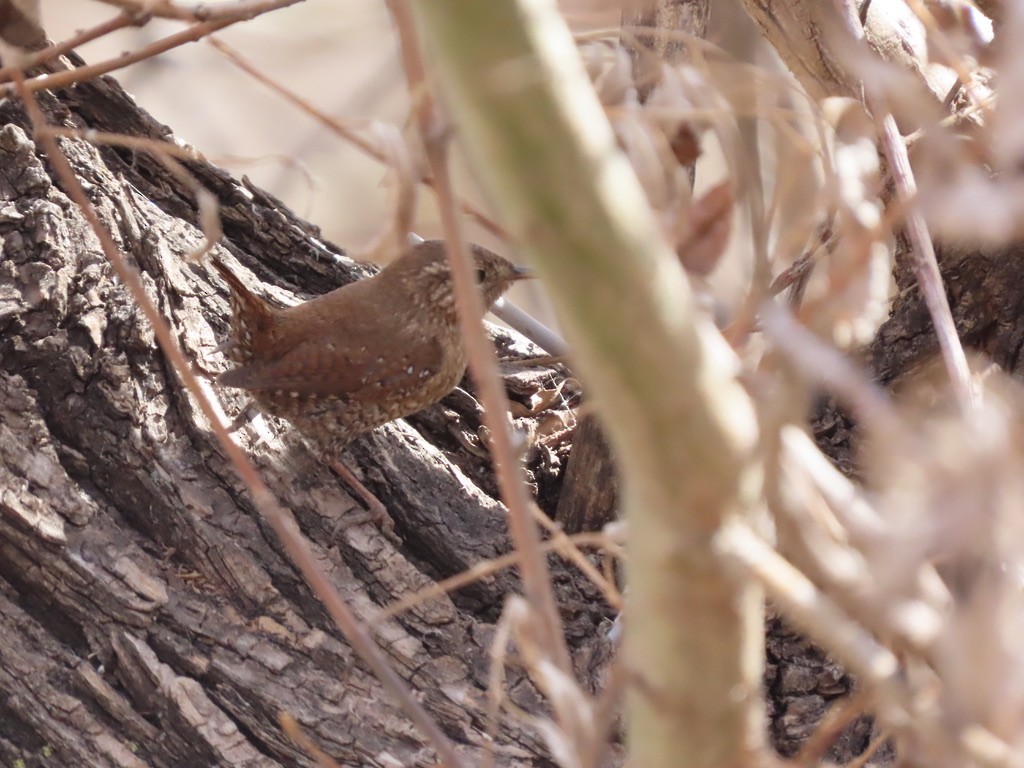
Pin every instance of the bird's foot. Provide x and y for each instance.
(376, 512)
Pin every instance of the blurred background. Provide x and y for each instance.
(341, 56)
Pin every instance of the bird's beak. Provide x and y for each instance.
(523, 273)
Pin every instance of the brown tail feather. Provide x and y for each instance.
(249, 313)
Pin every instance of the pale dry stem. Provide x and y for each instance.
(53, 81)
(815, 613)
(238, 10)
(829, 366)
(572, 737)
(294, 732)
(158, 147)
(338, 127)
(489, 567)
(34, 59)
(923, 259)
(482, 358)
(165, 152)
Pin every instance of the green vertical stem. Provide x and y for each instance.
(661, 376)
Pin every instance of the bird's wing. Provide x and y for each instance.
(354, 372)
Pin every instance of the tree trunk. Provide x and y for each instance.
(148, 613)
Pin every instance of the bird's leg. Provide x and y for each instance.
(376, 513)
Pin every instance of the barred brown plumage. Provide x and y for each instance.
(370, 352)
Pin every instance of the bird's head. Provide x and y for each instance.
(424, 270)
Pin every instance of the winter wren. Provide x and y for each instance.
(367, 353)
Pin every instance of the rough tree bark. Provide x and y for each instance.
(149, 616)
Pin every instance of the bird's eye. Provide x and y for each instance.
(480, 275)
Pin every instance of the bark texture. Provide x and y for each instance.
(149, 616)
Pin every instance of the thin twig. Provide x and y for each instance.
(830, 727)
(798, 272)
(488, 567)
(530, 327)
(926, 266)
(750, 557)
(283, 523)
(338, 127)
(482, 358)
(743, 135)
(173, 149)
(814, 358)
(869, 751)
(57, 80)
(240, 10)
(153, 146)
(82, 37)
(294, 731)
(922, 250)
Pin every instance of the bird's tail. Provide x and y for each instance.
(251, 316)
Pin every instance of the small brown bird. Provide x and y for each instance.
(367, 353)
